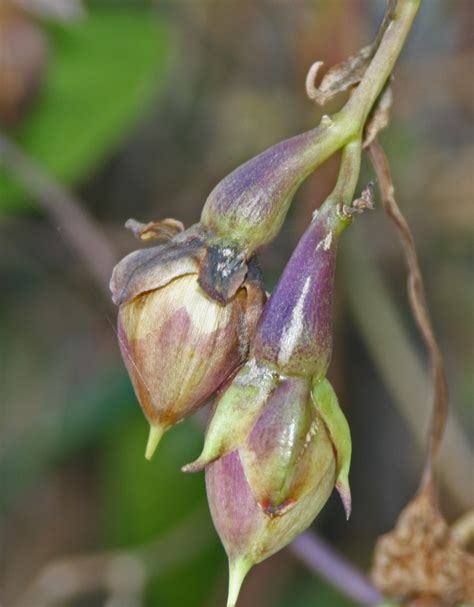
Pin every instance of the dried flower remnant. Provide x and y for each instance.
(419, 562)
(178, 344)
(23, 54)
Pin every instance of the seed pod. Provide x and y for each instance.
(271, 419)
(248, 534)
(249, 206)
(23, 54)
(293, 337)
(178, 344)
(265, 493)
(277, 442)
(294, 334)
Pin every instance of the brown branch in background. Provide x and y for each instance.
(123, 574)
(418, 304)
(364, 284)
(79, 228)
(60, 10)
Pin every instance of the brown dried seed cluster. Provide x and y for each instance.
(420, 562)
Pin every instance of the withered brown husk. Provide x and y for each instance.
(420, 562)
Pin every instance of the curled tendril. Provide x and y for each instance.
(348, 73)
(339, 78)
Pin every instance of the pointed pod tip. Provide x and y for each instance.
(154, 437)
(196, 466)
(200, 463)
(342, 487)
(192, 467)
(238, 569)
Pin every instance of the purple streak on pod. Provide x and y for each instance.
(294, 331)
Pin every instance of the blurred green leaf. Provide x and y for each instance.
(193, 583)
(141, 498)
(103, 73)
(93, 413)
(307, 590)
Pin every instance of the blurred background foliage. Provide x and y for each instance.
(139, 109)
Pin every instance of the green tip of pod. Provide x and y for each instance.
(154, 437)
(238, 569)
(201, 462)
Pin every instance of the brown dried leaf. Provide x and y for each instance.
(348, 73)
(420, 562)
(339, 78)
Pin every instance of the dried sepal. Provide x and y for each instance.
(155, 230)
(339, 78)
(236, 412)
(222, 271)
(148, 269)
(327, 404)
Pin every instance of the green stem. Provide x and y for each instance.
(345, 129)
(343, 192)
(349, 122)
(354, 114)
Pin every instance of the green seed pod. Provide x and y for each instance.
(263, 494)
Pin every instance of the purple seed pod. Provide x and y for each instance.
(293, 337)
(267, 491)
(294, 334)
(188, 308)
(248, 533)
(178, 344)
(277, 442)
(249, 205)
(282, 455)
